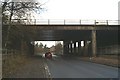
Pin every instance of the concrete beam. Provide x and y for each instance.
(69, 27)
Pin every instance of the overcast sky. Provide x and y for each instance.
(48, 43)
(80, 9)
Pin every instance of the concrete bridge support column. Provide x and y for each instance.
(82, 48)
(66, 47)
(75, 48)
(94, 49)
(79, 45)
(85, 46)
(71, 50)
(86, 49)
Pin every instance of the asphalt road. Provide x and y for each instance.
(75, 68)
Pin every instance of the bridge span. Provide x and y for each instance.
(95, 34)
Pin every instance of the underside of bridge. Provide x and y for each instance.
(63, 35)
(69, 37)
(72, 37)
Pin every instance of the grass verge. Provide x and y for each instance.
(11, 62)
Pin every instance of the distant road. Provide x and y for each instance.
(74, 68)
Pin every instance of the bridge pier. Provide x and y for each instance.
(69, 47)
(75, 48)
(85, 48)
(81, 49)
(65, 51)
(94, 47)
(71, 51)
(79, 45)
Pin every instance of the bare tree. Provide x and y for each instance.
(18, 10)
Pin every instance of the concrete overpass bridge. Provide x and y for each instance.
(94, 34)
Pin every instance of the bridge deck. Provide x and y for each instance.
(69, 27)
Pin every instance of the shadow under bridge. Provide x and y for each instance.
(71, 40)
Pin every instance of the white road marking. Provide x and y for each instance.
(48, 74)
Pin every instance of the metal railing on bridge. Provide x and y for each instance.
(64, 22)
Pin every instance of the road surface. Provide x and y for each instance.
(75, 68)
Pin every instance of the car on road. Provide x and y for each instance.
(48, 55)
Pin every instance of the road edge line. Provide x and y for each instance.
(47, 71)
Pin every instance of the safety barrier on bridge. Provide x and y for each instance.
(64, 22)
